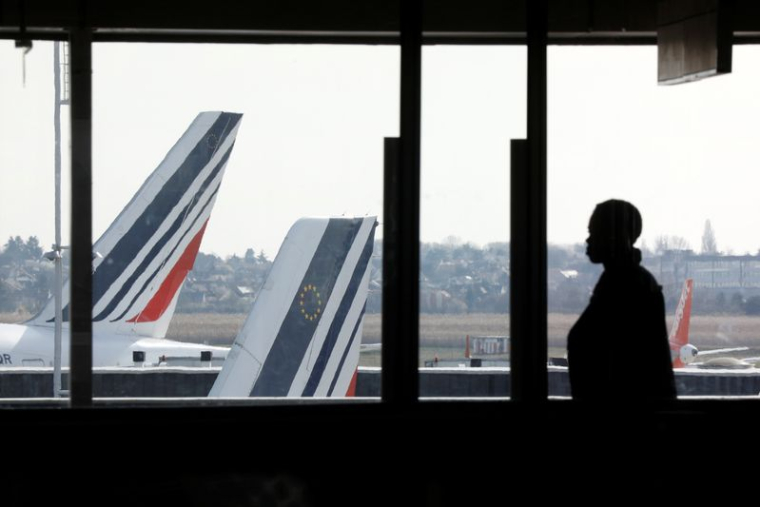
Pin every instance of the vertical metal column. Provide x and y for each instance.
(528, 326)
(57, 259)
(401, 228)
(80, 306)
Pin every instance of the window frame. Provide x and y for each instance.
(400, 315)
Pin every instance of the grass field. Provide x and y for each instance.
(449, 330)
(15, 317)
(444, 335)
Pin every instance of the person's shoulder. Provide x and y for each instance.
(646, 280)
(636, 278)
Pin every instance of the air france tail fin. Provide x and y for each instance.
(679, 333)
(143, 257)
(303, 334)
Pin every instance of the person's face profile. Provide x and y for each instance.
(595, 243)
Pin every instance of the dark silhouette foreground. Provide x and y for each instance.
(618, 349)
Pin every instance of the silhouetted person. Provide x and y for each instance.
(618, 349)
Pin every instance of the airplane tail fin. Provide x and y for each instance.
(143, 257)
(679, 333)
(303, 335)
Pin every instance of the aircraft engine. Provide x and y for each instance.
(688, 353)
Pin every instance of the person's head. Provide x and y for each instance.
(614, 227)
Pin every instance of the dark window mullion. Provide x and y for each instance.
(80, 376)
(528, 326)
(401, 230)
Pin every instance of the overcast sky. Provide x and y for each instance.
(315, 117)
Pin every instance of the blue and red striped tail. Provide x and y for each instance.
(143, 257)
(302, 337)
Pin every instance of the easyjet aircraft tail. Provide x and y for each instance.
(681, 352)
(303, 334)
(141, 261)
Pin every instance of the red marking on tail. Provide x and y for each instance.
(163, 297)
(352, 386)
(679, 333)
(467, 347)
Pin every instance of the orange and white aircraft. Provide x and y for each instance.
(681, 351)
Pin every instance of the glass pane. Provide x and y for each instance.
(270, 167)
(34, 128)
(683, 156)
(474, 102)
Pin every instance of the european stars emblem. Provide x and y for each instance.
(310, 303)
(212, 141)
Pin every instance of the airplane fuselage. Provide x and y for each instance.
(23, 345)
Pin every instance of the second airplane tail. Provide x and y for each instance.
(303, 335)
(142, 259)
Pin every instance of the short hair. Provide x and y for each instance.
(619, 217)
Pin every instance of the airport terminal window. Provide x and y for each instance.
(474, 102)
(680, 154)
(258, 149)
(34, 128)
(683, 155)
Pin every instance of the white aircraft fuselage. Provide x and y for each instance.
(22, 345)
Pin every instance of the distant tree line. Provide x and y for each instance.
(224, 285)
(25, 277)
(455, 277)
(16, 251)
